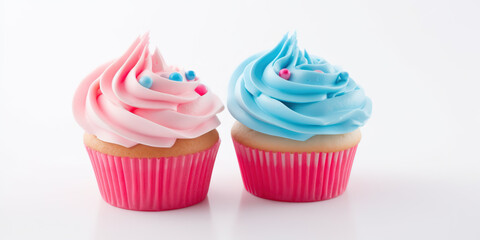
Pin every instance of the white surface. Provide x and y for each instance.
(417, 171)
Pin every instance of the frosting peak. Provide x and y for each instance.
(132, 101)
(288, 93)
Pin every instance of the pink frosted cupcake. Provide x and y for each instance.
(149, 131)
(298, 124)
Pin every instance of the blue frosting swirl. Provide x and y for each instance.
(309, 103)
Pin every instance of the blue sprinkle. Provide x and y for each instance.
(343, 76)
(146, 81)
(175, 76)
(190, 75)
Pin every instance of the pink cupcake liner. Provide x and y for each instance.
(294, 177)
(154, 184)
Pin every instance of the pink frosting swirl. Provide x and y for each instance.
(111, 104)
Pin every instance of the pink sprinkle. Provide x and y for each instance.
(284, 73)
(320, 71)
(201, 89)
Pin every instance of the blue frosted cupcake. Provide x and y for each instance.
(298, 124)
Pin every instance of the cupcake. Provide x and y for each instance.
(298, 120)
(150, 131)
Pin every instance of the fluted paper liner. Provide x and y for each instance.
(292, 176)
(154, 184)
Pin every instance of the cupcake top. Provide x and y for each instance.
(139, 99)
(288, 93)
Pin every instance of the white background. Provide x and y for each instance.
(417, 171)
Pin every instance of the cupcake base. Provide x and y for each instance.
(154, 184)
(294, 176)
